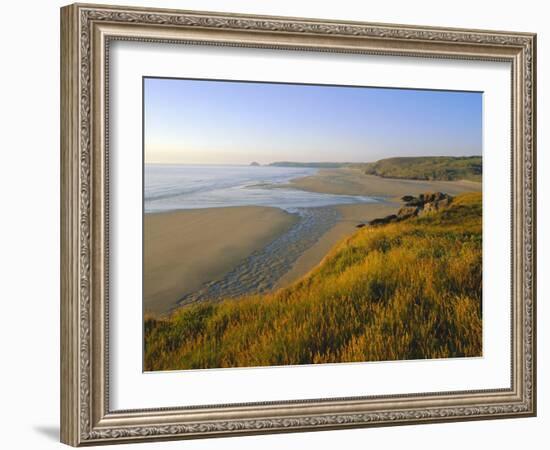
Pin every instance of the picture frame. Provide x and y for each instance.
(87, 32)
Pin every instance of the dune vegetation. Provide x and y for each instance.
(405, 290)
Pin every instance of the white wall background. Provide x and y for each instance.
(29, 226)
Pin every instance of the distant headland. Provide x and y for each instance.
(429, 168)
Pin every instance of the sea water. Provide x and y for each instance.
(177, 187)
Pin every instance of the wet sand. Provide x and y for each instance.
(260, 271)
(185, 249)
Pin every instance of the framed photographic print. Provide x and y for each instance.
(276, 224)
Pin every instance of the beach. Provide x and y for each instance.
(207, 253)
(182, 250)
(354, 182)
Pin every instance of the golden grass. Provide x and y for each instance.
(406, 290)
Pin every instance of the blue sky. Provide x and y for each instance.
(224, 122)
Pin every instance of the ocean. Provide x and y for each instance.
(178, 187)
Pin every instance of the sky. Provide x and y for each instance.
(227, 122)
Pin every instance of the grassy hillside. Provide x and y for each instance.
(428, 168)
(405, 290)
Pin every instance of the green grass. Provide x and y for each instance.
(405, 290)
(445, 168)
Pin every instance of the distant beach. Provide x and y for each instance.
(346, 181)
(226, 231)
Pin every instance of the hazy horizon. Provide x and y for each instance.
(236, 123)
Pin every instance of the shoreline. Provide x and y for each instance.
(191, 255)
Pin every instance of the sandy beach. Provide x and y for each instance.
(202, 253)
(355, 182)
(184, 249)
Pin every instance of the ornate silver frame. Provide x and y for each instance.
(86, 31)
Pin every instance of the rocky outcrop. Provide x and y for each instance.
(426, 203)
